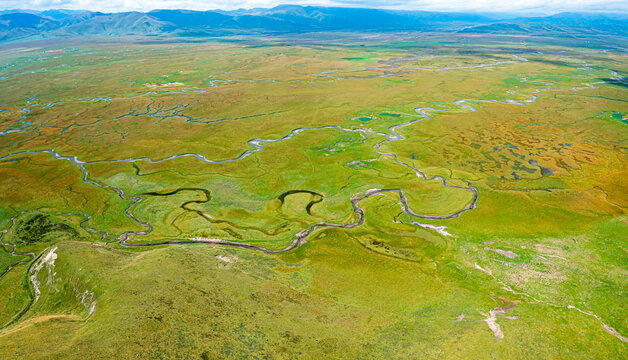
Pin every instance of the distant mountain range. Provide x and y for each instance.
(17, 24)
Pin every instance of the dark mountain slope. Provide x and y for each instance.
(17, 25)
(21, 21)
(563, 23)
(292, 18)
(119, 24)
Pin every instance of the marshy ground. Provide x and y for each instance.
(460, 197)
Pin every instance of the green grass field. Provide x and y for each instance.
(491, 176)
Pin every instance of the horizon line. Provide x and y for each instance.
(471, 11)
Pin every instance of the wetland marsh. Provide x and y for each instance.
(438, 197)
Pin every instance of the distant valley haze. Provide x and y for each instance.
(523, 7)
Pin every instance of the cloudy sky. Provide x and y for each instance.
(528, 6)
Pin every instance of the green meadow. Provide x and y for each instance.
(450, 198)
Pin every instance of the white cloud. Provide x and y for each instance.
(534, 6)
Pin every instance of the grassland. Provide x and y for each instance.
(501, 231)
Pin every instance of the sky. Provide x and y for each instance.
(522, 6)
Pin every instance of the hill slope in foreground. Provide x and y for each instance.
(376, 196)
